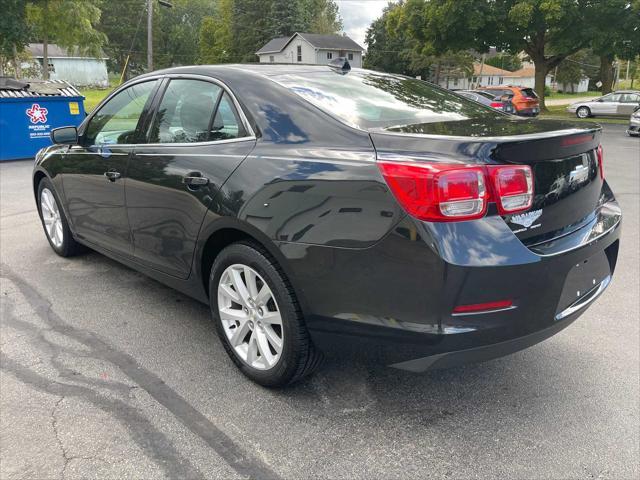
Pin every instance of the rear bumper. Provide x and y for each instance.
(392, 303)
(484, 353)
(634, 127)
(528, 111)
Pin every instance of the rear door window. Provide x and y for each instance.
(185, 112)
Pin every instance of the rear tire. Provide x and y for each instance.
(583, 112)
(247, 291)
(54, 221)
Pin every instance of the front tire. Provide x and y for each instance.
(258, 317)
(54, 222)
(583, 112)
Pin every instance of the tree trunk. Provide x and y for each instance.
(542, 69)
(45, 56)
(606, 73)
(17, 63)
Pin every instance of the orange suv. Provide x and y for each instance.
(524, 99)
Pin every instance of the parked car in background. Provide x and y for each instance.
(322, 208)
(617, 104)
(524, 100)
(634, 123)
(503, 103)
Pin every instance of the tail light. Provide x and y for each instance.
(513, 187)
(600, 155)
(453, 192)
(498, 105)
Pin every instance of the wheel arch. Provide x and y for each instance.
(224, 232)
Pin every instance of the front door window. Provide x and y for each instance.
(117, 121)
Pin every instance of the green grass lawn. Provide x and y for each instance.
(93, 96)
(559, 95)
(559, 112)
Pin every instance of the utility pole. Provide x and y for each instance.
(150, 35)
(162, 3)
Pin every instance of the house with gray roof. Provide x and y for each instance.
(311, 48)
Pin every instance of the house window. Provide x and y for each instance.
(455, 82)
(490, 81)
(500, 79)
(350, 56)
(299, 50)
(271, 58)
(329, 55)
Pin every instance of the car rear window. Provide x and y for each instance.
(370, 100)
(529, 92)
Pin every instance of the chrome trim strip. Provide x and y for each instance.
(161, 154)
(483, 312)
(589, 297)
(594, 239)
(354, 163)
(196, 144)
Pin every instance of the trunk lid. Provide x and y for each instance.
(562, 155)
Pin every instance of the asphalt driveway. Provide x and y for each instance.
(105, 373)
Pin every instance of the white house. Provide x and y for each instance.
(71, 66)
(483, 76)
(311, 48)
(526, 77)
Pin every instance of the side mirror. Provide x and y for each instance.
(64, 136)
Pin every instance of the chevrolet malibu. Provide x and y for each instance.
(320, 209)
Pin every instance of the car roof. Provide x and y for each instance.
(259, 69)
(626, 91)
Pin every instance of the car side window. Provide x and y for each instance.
(226, 123)
(614, 97)
(185, 112)
(116, 122)
(630, 98)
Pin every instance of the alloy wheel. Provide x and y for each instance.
(250, 316)
(51, 217)
(583, 112)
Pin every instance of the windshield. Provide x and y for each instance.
(369, 100)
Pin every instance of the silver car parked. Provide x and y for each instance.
(634, 123)
(617, 104)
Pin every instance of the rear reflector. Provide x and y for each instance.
(513, 187)
(498, 105)
(439, 192)
(483, 307)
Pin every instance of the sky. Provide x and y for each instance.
(357, 15)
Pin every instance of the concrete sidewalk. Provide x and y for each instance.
(550, 102)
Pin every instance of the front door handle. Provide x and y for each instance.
(112, 175)
(195, 179)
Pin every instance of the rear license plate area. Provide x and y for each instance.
(583, 278)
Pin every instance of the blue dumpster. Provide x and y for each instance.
(30, 110)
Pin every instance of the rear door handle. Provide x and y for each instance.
(195, 179)
(112, 175)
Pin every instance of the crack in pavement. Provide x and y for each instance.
(152, 441)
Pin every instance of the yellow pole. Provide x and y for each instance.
(126, 64)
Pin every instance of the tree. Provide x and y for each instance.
(216, 40)
(505, 61)
(14, 33)
(386, 48)
(615, 33)
(570, 72)
(69, 23)
(325, 17)
(177, 32)
(513, 26)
